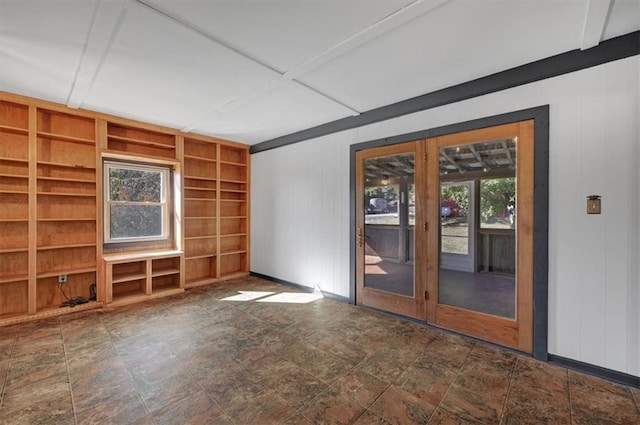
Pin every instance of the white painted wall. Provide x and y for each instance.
(300, 206)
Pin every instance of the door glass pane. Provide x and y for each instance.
(477, 227)
(388, 236)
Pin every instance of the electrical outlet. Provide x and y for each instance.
(62, 278)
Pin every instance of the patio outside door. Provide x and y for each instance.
(387, 210)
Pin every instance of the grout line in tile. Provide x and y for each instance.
(6, 376)
(453, 380)
(570, 397)
(66, 363)
(506, 398)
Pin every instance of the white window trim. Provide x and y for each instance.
(165, 201)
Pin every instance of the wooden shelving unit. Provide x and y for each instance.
(136, 276)
(140, 142)
(51, 218)
(14, 210)
(200, 208)
(66, 207)
(234, 225)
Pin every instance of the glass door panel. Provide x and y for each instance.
(386, 195)
(385, 230)
(478, 267)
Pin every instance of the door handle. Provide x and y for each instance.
(360, 237)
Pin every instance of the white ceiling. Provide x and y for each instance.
(252, 70)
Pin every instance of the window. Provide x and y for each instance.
(136, 202)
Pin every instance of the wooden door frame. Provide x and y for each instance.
(413, 307)
(515, 333)
(540, 116)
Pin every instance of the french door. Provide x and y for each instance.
(444, 232)
(387, 211)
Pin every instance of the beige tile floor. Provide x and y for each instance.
(203, 358)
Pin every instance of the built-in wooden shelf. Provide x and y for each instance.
(12, 129)
(14, 278)
(14, 192)
(195, 257)
(10, 159)
(77, 269)
(239, 164)
(62, 165)
(199, 158)
(65, 138)
(79, 245)
(200, 237)
(55, 154)
(75, 195)
(141, 142)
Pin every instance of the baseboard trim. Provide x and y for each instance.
(326, 294)
(598, 371)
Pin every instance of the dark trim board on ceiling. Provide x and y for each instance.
(540, 115)
(575, 60)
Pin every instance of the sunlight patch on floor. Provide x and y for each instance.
(248, 296)
(272, 297)
(293, 298)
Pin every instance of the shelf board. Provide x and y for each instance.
(233, 252)
(233, 200)
(210, 217)
(234, 216)
(78, 245)
(76, 195)
(14, 192)
(140, 142)
(233, 191)
(128, 277)
(12, 129)
(54, 311)
(166, 290)
(233, 181)
(14, 278)
(10, 159)
(129, 297)
(200, 199)
(65, 179)
(63, 165)
(232, 275)
(208, 179)
(66, 271)
(229, 235)
(164, 272)
(198, 257)
(14, 220)
(239, 164)
(13, 250)
(15, 176)
(125, 257)
(203, 189)
(137, 296)
(200, 282)
(61, 219)
(189, 238)
(199, 158)
(65, 138)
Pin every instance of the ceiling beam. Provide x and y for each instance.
(595, 20)
(105, 24)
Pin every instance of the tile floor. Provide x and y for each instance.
(205, 358)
